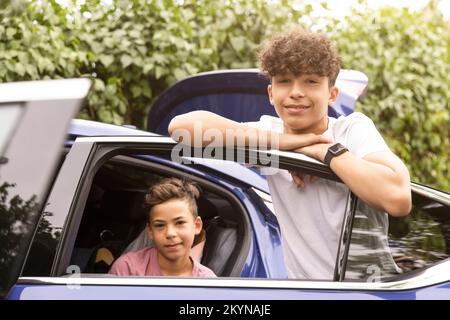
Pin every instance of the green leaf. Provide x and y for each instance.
(109, 42)
(31, 70)
(147, 67)
(20, 69)
(146, 90)
(99, 85)
(106, 60)
(126, 60)
(135, 34)
(158, 72)
(179, 73)
(136, 91)
(238, 43)
(10, 32)
(97, 48)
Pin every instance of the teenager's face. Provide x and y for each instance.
(302, 101)
(173, 228)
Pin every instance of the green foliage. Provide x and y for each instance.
(406, 56)
(37, 42)
(140, 47)
(134, 49)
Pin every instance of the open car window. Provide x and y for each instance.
(113, 219)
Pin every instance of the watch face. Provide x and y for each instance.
(336, 148)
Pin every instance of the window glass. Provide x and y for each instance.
(384, 248)
(369, 257)
(9, 117)
(422, 238)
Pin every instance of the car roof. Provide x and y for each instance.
(80, 127)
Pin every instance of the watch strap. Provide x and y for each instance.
(328, 157)
(331, 153)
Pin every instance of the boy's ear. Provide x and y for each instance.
(334, 92)
(269, 93)
(198, 225)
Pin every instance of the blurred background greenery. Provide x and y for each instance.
(135, 49)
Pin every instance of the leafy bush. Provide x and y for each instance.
(135, 49)
(406, 56)
(38, 42)
(138, 48)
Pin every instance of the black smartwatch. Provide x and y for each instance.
(333, 151)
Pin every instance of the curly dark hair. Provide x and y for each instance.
(299, 52)
(173, 188)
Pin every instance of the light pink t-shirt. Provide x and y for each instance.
(144, 262)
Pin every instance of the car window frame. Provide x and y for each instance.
(70, 193)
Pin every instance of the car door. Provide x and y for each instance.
(34, 117)
(88, 154)
(84, 158)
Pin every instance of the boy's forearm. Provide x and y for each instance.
(203, 128)
(379, 179)
(207, 128)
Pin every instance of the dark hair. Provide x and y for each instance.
(173, 188)
(300, 52)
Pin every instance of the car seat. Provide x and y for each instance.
(103, 256)
(221, 239)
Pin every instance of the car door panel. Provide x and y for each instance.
(29, 161)
(423, 286)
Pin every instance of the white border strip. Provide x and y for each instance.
(44, 90)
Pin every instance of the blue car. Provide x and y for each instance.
(71, 200)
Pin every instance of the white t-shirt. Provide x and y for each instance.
(311, 219)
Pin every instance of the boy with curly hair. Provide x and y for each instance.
(173, 222)
(302, 67)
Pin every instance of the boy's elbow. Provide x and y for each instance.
(400, 205)
(177, 123)
(184, 121)
(172, 126)
(400, 200)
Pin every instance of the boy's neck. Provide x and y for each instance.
(318, 128)
(181, 267)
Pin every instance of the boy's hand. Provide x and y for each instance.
(316, 151)
(290, 141)
(299, 178)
